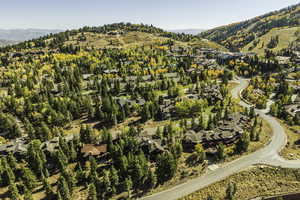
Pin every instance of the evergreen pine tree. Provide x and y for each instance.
(12, 161)
(221, 152)
(47, 187)
(69, 177)
(29, 178)
(252, 134)
(13, 192)
(59, 197)
(128, 186)
(166, 167)
(151, 179)
(92, 194)
(36, 158)
(27, 194)
(63, 189)
(8, 174)
(230, 191)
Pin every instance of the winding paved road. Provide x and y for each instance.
(267, 155)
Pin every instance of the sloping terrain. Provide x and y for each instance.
(115, 36)
(254, 182)
(238, 35)
(131, 39)
(285, 37)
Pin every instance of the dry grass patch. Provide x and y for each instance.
(232, 85)
(254, 182)
(286, 36)
(3, 91)
(292, 149)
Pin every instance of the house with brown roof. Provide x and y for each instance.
(94, 150)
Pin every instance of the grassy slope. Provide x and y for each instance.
(286, 36)
(254, 182)
(207, 43)
(291, 150)
(132, 39)
(237, 32)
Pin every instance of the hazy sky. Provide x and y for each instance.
(168, 14)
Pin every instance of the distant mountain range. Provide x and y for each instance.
(187, 31)
(24, 34)
(6, 42)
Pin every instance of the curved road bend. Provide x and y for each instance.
(267, 155)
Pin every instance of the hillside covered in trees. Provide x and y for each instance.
(79, 120)
(268, 31)
(123, 110)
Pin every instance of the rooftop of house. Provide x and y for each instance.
(110, 71)
(292, 109)
(86, 76)
(18, 145)
(51, 145)
(283, 59)
(153, 145)
(122, 101)
(226, 130)
(93, 149)
(207, 136)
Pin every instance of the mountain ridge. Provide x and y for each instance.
(237, 35)
(115, 35)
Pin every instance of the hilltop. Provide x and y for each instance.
(119, 35)
(274, 31)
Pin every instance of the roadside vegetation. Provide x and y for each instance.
(292, 149)
(260, 181)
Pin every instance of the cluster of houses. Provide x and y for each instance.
(122, 101)
(286, 61)
(210, 92)
(296, 59)
(30, 53)
(293, 58)
(293, 108)
(227, 132)
(207, 52)
(18, 147)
